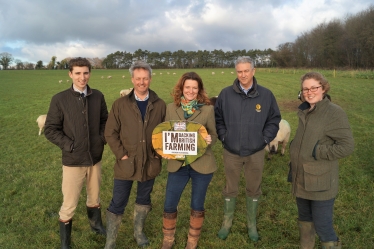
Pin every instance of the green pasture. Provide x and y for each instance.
(30, 167)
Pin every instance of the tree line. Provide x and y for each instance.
(347, 43)
(335, 44)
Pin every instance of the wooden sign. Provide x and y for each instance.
(180, 139)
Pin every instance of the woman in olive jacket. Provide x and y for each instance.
(323, 136)
(191, 103)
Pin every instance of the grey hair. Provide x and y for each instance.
(245, 59)
(140, 65)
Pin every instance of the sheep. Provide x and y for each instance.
(102, 77)
(232, 72)
(283, 136)
(124, 92)
(41, 122)
(123, 76)
(222, 72)
(174, 73)
(67, 81)
(213, 100)
(109, 77)
(153, 73)
(213, 73)
(168, 73)
(60, 81)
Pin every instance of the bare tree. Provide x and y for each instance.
(5, 60)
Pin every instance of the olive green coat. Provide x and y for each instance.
(127, 134)
(323, 136)
(205, 164)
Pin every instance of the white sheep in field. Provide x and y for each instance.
(124, 92)
(174, 73)
(67, 81)
(213, 73)
(232, 72)
(123, 76)
(283, 136)
(153, 73)
(41, 122)
(102, 77)
(60, 81)
(222, 72)
(109, 77)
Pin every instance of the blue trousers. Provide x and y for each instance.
(321, 214)
(121, 194)
(176, 183)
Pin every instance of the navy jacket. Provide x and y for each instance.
(246, 122)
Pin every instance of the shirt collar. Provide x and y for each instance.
(138, 99)
(84, 91)
(245, 90)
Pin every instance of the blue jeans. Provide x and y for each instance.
(176, 183)
(121, 194)
(321, 214)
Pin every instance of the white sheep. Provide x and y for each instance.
(124, 92)
(222, 72)
(67, 81)
(60, 81)
(232, 72)
(213, 73)
(102, 77)
(153, 73)
(283, 136)
(41, 122)
(109, 77)
(174, 73)
(123, 76)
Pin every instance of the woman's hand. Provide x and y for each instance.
(208, 139)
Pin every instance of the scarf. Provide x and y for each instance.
(189, 107)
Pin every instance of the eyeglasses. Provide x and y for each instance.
(312, 89)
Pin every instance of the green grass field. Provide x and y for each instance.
(30, 167)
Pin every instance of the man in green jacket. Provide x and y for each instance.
(129, 135)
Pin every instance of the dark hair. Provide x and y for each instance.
(140, 65)
(177, 93)
(79, 62)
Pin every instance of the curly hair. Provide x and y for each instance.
(177, 93)
(79, 62)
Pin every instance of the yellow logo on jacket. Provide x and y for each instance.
(258, 108)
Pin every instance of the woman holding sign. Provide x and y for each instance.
(191, 103)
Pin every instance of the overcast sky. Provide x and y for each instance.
(38, 29)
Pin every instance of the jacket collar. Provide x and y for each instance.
(152, 96)
(252, 92)
(180, 114)
(305, 105)
(77, 94)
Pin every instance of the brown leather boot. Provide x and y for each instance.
(169, 226)
(196, 222)
(307, 234)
